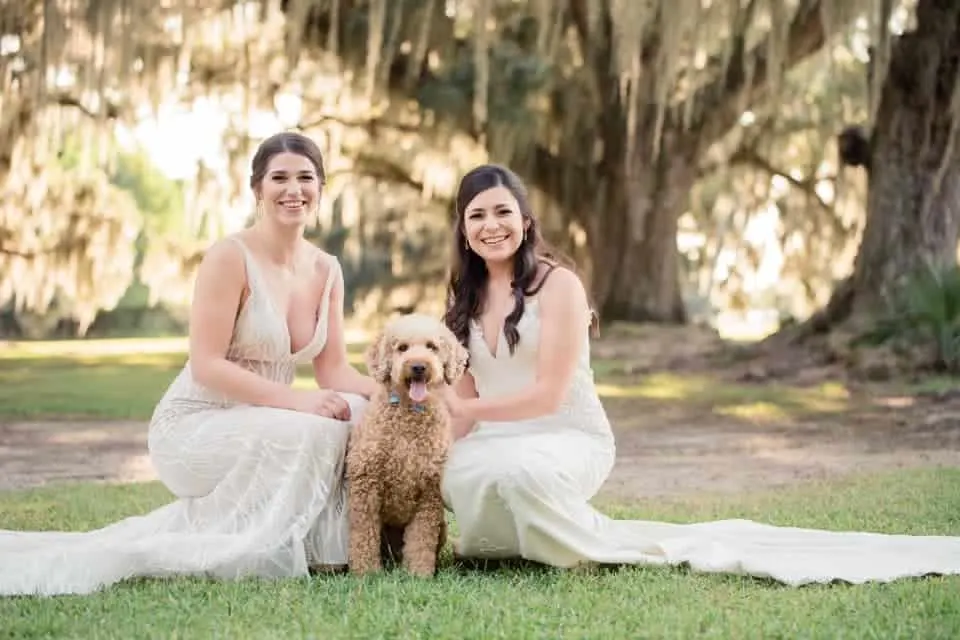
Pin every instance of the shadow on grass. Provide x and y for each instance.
(124, 378)
(756, 403)
(117, 379)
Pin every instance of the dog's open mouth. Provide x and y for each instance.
(417, 390)
(418, 375)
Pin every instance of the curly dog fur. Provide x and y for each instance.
(397, 452)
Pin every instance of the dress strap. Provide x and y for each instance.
(253, 270)
(328, 287)
(543, 280)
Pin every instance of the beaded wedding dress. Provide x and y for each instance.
(522, 489)
(259, 490)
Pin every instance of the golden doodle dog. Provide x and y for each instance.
(397, 451)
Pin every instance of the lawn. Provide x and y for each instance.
(123, 379)
(518, 602)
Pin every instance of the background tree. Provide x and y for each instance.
(615, 112)
(910, 155)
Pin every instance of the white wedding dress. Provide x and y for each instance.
(521, 489)
(259, 489)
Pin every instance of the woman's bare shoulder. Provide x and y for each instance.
(554, 278)
(561, 281)
(322, 261)
(224, 253)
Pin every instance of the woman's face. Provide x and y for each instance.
(493, 224)
(290, 189)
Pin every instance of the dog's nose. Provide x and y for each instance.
(418, 369)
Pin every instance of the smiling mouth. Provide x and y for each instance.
(293, 204)
(494, 241)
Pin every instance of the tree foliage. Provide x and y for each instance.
(606, 106)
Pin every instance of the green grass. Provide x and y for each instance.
(124, 378)
(522, 602)
(121, 378)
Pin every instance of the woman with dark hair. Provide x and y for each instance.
(255, 464)
(533, 443)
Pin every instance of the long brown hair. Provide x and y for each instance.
(466, 289)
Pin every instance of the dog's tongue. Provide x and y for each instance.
(418, 391)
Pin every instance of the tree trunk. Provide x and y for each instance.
(913, 204)
(630, 219)
(636, 264)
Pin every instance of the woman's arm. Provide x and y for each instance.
(564, 311)
(331, 369)
(213, 312)
(466, 388)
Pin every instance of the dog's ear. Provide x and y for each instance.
(455, 358)
(378, 359)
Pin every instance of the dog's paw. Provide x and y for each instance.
(366, 568)
(421, 569)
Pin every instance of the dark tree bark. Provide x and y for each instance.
(636, 261)
(913, 164)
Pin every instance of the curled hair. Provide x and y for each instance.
(466, 289)
(285, 142)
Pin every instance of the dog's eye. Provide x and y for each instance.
(432, 346)
(403, 346)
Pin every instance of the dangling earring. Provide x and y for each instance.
(259, 208)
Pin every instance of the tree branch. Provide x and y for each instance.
(110, 111)
(601, 55)
(372, 125)
(59, 248)
(381, 168)
(748, 155)
(719, 103)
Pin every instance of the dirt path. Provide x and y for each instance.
(688, 451)
(736, 458)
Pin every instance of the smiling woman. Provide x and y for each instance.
(534, 444)
(291, 187)
(256, 464)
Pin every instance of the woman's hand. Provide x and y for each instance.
(462, 428)
(328, 404)
(458, 407)
(460, 414)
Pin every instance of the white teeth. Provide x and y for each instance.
(493, 241)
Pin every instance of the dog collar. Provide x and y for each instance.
(416, 406)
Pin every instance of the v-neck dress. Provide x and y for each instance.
(259, 490)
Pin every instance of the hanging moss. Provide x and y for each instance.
(545, 74)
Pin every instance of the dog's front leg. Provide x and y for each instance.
(364, 508)
(422, 538)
